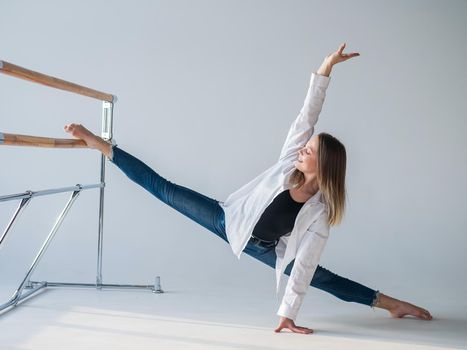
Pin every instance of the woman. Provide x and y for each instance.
(282, 217)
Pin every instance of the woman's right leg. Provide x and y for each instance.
(323, 279)
(344, 288)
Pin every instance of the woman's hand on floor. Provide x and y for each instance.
(290, 324)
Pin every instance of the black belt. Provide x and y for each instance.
(262, 242)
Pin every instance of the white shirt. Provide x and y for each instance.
(305, 243)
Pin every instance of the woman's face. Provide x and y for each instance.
(307, 161)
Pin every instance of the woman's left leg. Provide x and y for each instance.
(204, 210)
(343, 288)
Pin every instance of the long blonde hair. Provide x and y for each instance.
(332, 162)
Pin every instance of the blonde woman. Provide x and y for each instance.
(282, 217)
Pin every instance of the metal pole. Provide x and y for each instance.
(44, 247)
(31, 194)
(24, 202)
(107, 129)
(101, 227)
(14, 302)
(92, 285)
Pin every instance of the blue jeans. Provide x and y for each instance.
(208, 213)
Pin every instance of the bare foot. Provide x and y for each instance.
(403, 308)
(92, 141)
(398, 308)
(80, 132)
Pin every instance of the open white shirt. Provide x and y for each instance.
(305, 243)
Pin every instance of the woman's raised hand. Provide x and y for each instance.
(290, 324)
(334, 58)
(340, 56)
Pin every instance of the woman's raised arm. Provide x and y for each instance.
(302, 127)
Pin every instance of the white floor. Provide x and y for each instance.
(218, 318)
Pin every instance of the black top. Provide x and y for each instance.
(279, 217)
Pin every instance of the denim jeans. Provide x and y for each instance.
(208, 213)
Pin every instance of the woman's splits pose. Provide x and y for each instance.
(282, 217)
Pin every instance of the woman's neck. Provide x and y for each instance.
(302, 195)
(309, 187)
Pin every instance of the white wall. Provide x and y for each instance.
(207, 91)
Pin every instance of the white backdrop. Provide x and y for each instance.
(207, 91)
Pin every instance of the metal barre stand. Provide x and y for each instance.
(29, 288)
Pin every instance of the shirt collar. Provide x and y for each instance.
(316, 198)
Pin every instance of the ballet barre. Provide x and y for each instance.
(26, 74)
(28, 288)
(37, 141)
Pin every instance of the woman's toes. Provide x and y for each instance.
(69, 127)
(426, 315)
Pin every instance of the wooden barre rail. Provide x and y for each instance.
(36, 141)
(26, 74)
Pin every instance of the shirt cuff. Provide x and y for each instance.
(287, 311)
(320, 80)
